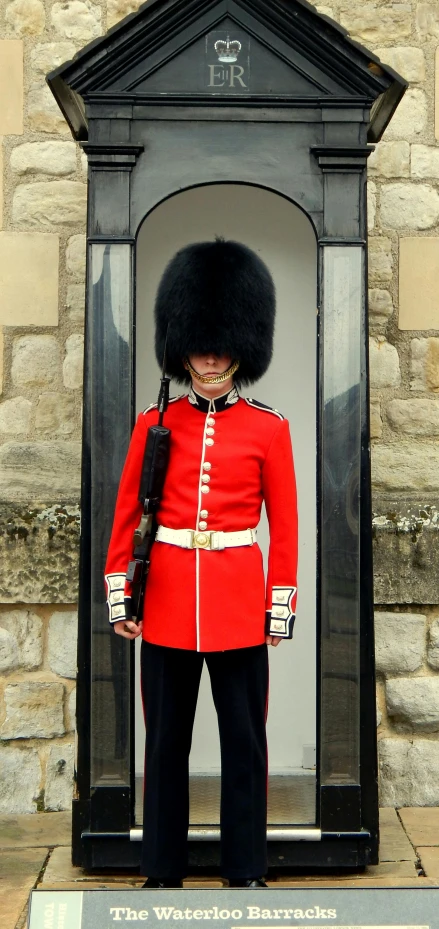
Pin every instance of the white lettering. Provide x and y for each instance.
(207, 914)
(309, 914)
(254, 913)
(236, 914)
(215, 77)
(188, 914)
(298, 914)
(332, 914)
(143, 914)
(131, 914)
(235, 76)
(198, 914)
(163, 912)
(266, 914)
(178, 914)
(224, 914)
(117, 910)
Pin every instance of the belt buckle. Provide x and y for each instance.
(201, 539)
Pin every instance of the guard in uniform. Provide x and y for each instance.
(206, 597)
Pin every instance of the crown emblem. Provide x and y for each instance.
(228, 51)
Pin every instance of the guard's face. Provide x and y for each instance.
(210, 365)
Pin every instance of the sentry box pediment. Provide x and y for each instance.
(232, 52)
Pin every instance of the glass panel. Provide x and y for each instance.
(340, 537)
(110, 367)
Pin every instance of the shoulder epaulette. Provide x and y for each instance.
(153, 406)
(257, 405)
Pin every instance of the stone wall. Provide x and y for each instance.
(42, 272)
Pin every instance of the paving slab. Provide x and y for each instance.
(19, 866)
(13, 901)
(429, 860)
(394, 842)
(35, 830)
(421, 825)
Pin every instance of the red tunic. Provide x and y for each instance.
(227, 456)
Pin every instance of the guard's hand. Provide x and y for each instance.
(273, 640)
(128, 629)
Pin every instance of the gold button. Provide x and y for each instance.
(201, 540)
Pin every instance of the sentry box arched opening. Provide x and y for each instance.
(185, 109)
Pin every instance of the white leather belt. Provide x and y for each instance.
(211, 541)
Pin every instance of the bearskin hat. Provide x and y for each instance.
(216, 297)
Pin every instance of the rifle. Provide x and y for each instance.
(155, 464)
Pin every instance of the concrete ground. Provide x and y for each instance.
(35, 852)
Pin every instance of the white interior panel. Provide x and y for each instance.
(283, 236)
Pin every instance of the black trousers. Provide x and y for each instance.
(170, 682)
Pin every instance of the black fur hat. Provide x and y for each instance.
(216, 297)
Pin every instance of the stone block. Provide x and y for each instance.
(25, 17)
(376, 423)
(410, 119)
(405, 556)
(118, 9)
(405, 207)
(425, 364)
(433, 645)
(8, 650)
(424, 161)
(34, 710)
(49, 55)
(374, 24)
(76, 302)
(50, 203)
(414, 417)
(27, 629)
(20, 778)
(59, 778)
(1, 183)
(380, 307)
(399, 642)
(408, 772)
(413, 703)
(78, 20)
(406, 60)
(40, 471)
(74, 362)
(11, 87)
(405, 468)
(371, 205)
(54, 158)
(436, 95)
(43, 112)
(28, 279)
(72, 710)
(55, 414)
(390, 159)
(35, 361)
(418, 282)
(380, 259)
(384, 364)
(75, 256)
(63, 636)
(427, 21)
(15, 416)
(39, 548)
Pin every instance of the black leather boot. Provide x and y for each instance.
(156, 883)
(247, 882)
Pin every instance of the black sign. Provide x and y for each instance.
(283, 908)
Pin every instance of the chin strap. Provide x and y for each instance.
(212, 380)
